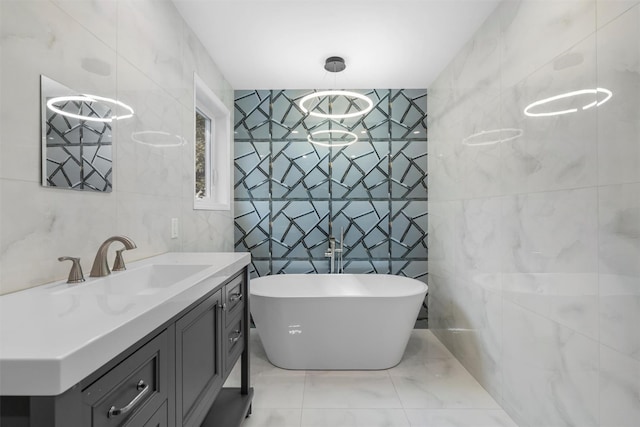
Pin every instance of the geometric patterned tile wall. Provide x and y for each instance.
(291, 195)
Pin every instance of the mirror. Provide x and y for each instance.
(77, 137)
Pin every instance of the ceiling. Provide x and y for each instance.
(282, 44)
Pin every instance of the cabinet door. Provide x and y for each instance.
(198, 361)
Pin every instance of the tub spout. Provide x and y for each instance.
(331, 253)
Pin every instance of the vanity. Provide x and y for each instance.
(150, 346)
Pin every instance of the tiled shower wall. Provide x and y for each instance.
(291, 195)
(534, 263)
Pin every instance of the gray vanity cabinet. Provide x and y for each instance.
(199, 360)
(133, 391)
(171, 378)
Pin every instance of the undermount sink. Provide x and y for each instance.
(146, 279)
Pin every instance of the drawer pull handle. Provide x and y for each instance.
(235, 339)
(143, 388)
(235, 297)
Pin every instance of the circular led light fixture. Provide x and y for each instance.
(88, 98)
(607, 92)
(493, 136)
(346, 94)
(327, 144)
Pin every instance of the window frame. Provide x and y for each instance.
(217, 152)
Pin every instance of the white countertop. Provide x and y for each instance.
(53, 336)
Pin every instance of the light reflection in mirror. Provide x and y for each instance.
(493, 136)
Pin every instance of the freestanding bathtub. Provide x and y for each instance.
(335, 321)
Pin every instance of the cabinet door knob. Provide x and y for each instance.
(143, 388)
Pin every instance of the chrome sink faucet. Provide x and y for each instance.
(100, 266)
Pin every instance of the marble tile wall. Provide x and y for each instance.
(137, 51)
(534, 230)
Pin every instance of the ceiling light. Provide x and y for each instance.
(607, 92)
(335, 64)
(346, 94)
(88, 98)
(328, 144)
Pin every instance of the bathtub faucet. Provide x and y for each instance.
(331, 253)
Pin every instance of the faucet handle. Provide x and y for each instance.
(75, 275)
(118, 264)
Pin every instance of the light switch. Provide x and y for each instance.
(174, 228)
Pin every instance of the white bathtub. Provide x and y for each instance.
(335, 321)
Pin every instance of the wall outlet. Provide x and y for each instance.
(174, 228)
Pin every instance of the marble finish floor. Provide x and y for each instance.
(428, 388)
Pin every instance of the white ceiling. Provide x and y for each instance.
(282, 44)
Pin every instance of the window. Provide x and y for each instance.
(203, 155)
(212, 165)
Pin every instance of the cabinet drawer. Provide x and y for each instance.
(234, 297)
(234, 342)
(134, 388)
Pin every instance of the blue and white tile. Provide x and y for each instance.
(409, 170)
(459, 418)
(619, 118)
(354, 418)
(619, 389)
(350, 389)
(252, 169)
(251, 228)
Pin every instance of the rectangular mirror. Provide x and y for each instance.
(77, 137)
